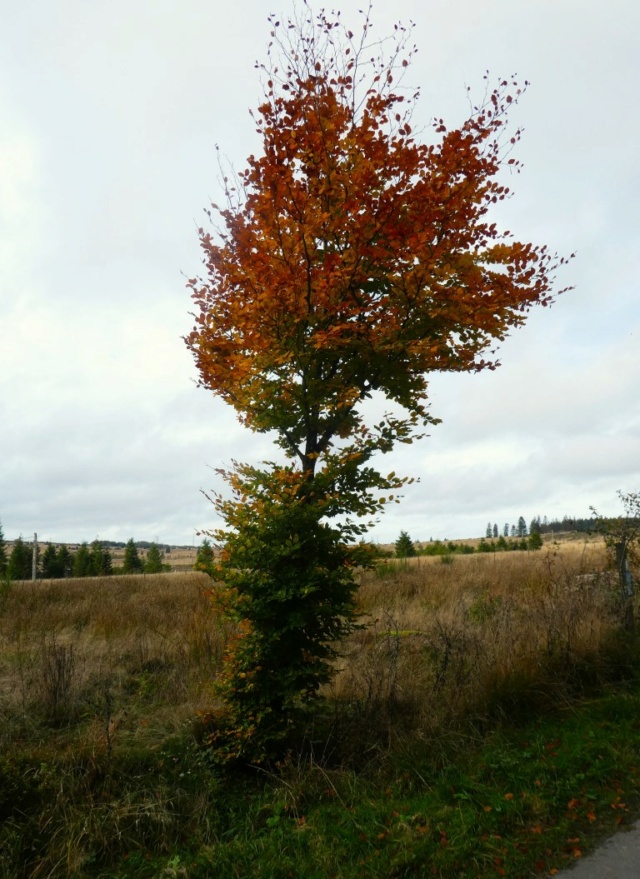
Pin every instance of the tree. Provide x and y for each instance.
(132, 564)
(154, 562)
(205, 558)
(3, 553)
(535, 540)
(65, 561)
(522, 527)
(351, 261)
(505, 530)
(50, 567)
(488, 532)
(82, 566)
(101, 563)
(20, 561)
(495, 530)
(404, 546)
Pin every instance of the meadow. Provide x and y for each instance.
(483, 715)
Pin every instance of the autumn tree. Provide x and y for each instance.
(350, 261)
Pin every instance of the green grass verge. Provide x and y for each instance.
(518, 802)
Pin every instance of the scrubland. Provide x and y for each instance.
(101, 682)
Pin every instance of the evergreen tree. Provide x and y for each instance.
(205, 558)
(154, 563)
(50, 565)
(107, 562)
(3, 553)
(495, 530)
(505, 531)
(489, 531)
(514, 533)
(132, 563)
(535, 525)
(522, 527)
(82, 561)
(65, 561)
(20, 561)
(101, 563)
(404, 546)
(535, 540)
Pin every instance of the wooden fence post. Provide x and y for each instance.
(626, 586)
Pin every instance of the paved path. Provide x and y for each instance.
(618, 857)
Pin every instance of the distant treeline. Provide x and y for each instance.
(88, 560)
(539, 525)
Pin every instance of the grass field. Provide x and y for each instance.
(482, 723)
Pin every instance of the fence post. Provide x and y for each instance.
(626, 585)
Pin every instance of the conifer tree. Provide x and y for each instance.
(65, 561)
(3, 553)
(154, 562)
(50, 566)
(20, 561)
(82, 561)
(205, 559)
(404, 546)
(132, 563)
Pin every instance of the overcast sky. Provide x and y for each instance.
(109, 117)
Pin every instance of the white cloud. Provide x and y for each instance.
(106, 162)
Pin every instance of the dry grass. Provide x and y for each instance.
(128, 654)
(483, 636)
(99, 679)
(124, 658)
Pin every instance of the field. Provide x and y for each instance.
(102, 681)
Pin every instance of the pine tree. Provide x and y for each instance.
(101, 562)
(132, 563)
(20, 561)
(154, 563)
(489, 530)
(514, 533)
(50, 566)
(205, 558)
(65, 561)
(495, 530)
(505, 531)
(404, 546)
(535, 540)
(82, 561)
(3, 553)
(522, 527)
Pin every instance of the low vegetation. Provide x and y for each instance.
(482, 723)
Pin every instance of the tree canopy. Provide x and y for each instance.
(353, 258)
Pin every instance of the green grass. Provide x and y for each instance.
(517, 801)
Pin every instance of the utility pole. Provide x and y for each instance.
(34, 557)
